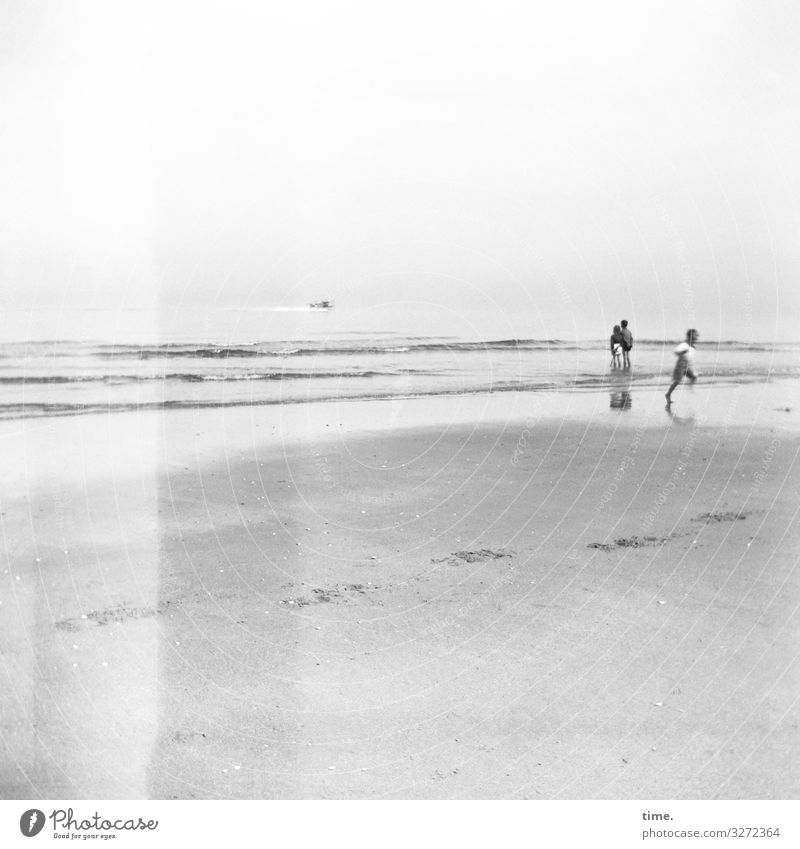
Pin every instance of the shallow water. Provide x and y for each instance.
(77, 376)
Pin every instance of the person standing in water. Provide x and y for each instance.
(616, 346)
(683, 368)
(627, 343)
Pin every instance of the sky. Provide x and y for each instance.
(559, 165)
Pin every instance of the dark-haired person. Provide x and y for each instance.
(683, 368)
(627, 343)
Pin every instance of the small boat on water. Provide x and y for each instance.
(321, 305)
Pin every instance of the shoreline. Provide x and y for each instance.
(780, 384)
(121, 445)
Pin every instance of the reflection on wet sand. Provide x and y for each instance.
(680, 420)
(621, 397)
(621, 400)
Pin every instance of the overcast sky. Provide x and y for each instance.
(592, 159)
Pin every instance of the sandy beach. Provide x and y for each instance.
(487, 607)
(339, 454)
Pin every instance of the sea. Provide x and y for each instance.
(57, 363)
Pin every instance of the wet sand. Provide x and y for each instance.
(596, 608)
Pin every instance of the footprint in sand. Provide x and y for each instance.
(340, 594)
(114, 615)
(479, 556)
(629, 542)
(728, 516)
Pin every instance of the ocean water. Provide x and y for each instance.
(308, 356)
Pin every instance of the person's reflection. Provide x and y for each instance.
(679, 420)
(621, 400)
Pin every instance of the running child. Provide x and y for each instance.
(683, 368)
